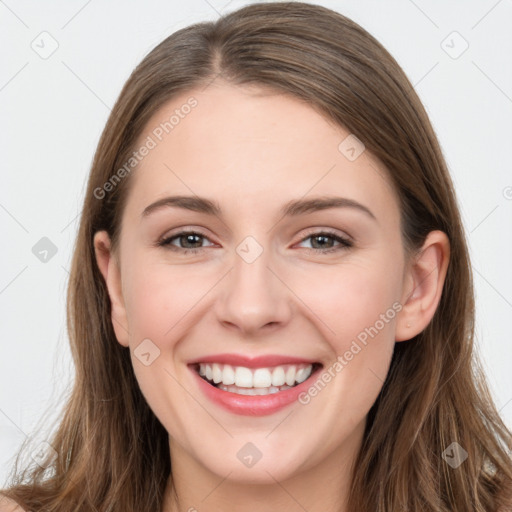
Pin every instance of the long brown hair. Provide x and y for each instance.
(112, 453)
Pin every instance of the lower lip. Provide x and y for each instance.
(248, 405)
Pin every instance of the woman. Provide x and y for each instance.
(312, 348)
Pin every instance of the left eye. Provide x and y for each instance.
(343, 243)
(192, 237)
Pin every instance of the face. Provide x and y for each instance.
(309, 289)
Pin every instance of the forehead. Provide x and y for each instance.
(252, 150)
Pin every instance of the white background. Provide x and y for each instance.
(53, 111)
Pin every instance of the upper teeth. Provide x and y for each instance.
(259, 377)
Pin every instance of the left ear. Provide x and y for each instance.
(423, 285)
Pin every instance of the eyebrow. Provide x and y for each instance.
(292, 208)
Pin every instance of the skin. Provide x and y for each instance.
(253, 152)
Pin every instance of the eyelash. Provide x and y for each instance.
(344, 242)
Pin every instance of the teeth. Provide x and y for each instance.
(267, 379)
(278, 376)
(303, 374)
(290, 376)
(253, 391)
(262, 378)
(243, 377)
(216, 373)
(228, 375)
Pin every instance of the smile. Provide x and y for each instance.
(253, 390)
(254, 381)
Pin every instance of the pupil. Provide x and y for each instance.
(321, 237)
(189, 238)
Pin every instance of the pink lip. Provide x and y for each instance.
(251, 362)
(247, 405)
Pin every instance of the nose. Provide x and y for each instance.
(254, 298)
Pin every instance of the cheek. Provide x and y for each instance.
(355, 307)
(161, 296)
(160, 299)
(348, 298)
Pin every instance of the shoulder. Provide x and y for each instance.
(8, 505)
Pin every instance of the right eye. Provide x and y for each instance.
(183, 237)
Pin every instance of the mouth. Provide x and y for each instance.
(241, 380)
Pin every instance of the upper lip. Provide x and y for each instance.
(252, 362)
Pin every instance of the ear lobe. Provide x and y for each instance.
(109, 268)
(423, 286)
